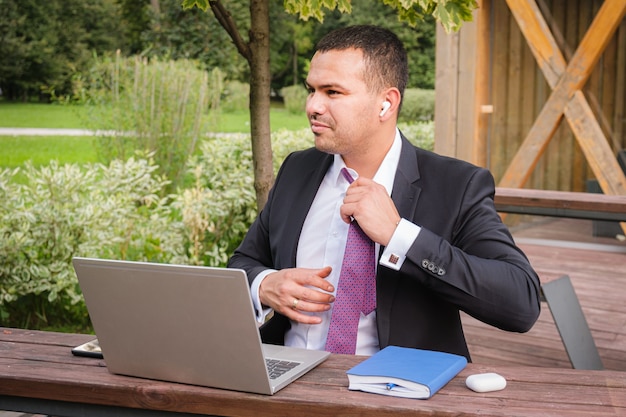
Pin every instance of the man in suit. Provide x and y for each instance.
(440, 245)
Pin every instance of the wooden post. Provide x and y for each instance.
(461, 118)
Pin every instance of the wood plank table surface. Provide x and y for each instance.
(38, 374)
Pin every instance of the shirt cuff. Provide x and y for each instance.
(395, 253)
(261, 312)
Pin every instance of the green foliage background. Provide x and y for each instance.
(116, 211)
(45, 46)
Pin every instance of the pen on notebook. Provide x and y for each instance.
(391, 386)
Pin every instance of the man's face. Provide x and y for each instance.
(342, 111)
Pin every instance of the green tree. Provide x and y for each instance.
(291, 43)
(27, 47)
(174, 33)
(256, 51)
(135, 15)
(42, 44)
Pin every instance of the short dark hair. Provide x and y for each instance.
(385, 58)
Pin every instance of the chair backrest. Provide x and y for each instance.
(571, 323)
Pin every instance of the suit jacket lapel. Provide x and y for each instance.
(404, 195)
(405, 190)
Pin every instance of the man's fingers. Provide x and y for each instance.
(300, 317)
(300, 310)
(298, 292)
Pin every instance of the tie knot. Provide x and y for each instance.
(346, 174)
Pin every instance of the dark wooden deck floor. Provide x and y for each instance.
(597, 268)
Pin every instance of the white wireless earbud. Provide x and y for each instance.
(386, 106)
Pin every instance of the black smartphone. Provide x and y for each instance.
(90, 349)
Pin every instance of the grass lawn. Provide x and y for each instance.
(40, 150)
(75, 117)
(41, 115)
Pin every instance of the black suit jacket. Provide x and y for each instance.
(463, 259)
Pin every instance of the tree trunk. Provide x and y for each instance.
(260, 78)
(257, 53)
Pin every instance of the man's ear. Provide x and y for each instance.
(390, 103)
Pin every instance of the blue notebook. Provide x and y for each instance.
(405, 372)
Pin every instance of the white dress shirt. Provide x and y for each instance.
(322, 243)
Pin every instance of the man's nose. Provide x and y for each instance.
(315, 104)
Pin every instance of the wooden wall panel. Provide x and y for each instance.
(515, 86)
(619, 115)
(446, 87)
(466, 100)
(517, 91)
(567, 144)
(580, 169)
(499, 39)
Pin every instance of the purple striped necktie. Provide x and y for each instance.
(356, 291)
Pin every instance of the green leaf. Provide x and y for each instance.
(452, 13)
(314, 8)
(449, 13)
(201, 4)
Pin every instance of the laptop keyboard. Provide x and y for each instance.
(276, 367)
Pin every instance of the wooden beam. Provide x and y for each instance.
(542, 43)
(599, 155)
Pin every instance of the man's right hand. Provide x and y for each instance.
(294, 291)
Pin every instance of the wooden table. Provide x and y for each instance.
(38, 374)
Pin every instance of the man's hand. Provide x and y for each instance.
(294, 291)
(369, 204)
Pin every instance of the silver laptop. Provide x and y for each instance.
(188, 324)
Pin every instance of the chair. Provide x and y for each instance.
(571, 323)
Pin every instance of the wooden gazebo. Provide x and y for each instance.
(535, 90)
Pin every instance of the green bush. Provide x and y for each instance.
(116, 211)
(64, 211)
(295, 98)
(220, 206)
(236, 96)
(147, 105)
(420, 134)
(417, 105)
